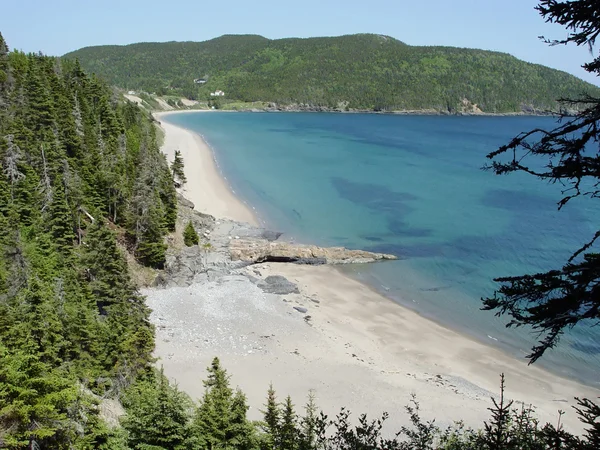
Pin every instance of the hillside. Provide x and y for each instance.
(81, 177)
(361, 71)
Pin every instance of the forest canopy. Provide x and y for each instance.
(362, 71)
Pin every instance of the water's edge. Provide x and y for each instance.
(372, 284)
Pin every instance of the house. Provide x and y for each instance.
(199, 81)
(217, 94)
(130, 92)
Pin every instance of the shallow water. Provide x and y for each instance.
(412, 186)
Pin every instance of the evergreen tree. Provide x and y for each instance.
(241, 433)
(128, 335)
(70, 317)
(4, 74)
(272, 420)
(32, 324)
(177, 168)
(212, 417)
(497, 435)
(157, 415)
(220, 419)
(34, 401)
(289, 427)
(190, 237)
(60, 222)
(168, 196)
(308, 424)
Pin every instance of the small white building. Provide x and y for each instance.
(199, 81)
(217, 94)
(131, 92)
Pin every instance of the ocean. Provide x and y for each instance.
(412, 186)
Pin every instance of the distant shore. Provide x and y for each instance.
(360, 350)
(295, 108)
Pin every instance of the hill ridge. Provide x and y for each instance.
(359, 71)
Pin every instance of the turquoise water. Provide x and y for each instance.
(412, 186)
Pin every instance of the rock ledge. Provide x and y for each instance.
(262, 250)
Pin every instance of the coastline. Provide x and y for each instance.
(206, 186)
(407, 112)
(361, 349)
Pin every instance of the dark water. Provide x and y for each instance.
(412, 186)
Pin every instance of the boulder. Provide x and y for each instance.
(276, 284)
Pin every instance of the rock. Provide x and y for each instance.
(300, 309)
(271, 235)
(276, 284)
(184, 202)
(181, 268)
(262, 250)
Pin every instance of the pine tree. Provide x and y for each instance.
(190, 237)
(212, 417)
(308, 424)
(271, 420)
(128, 335)
(72, 158)
(36, 327)
(4, 74)
(168, 196)
(40, 114)
(241, 432)
(497, 434)
(150, 248)
(60, 222)
(289, 427)
(157, 415)
(34, 400)
(177, 168)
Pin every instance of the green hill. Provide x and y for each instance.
(361, 71)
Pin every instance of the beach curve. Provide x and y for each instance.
(205, 185)
(360, 350)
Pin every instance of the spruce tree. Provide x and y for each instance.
(60, 221)
(190, 237)
(308, 423)
(271, 420)
(212, 417)
(34, 402)
(497, 433)
(289, 427)
(4, 74)
(71, 160)
(241, 433)
(157, 415)
(177, 168)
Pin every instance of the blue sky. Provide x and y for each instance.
(513, 26)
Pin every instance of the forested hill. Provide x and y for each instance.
(80, 171)
(361, 71)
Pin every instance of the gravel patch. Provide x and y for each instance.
(228, 316)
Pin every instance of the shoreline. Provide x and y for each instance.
(206, 185)
(417, 112)
(394, 351)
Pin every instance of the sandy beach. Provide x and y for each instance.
(205, 186)
(352, 346)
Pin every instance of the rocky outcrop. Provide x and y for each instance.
(227, 246)
(261, 250)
